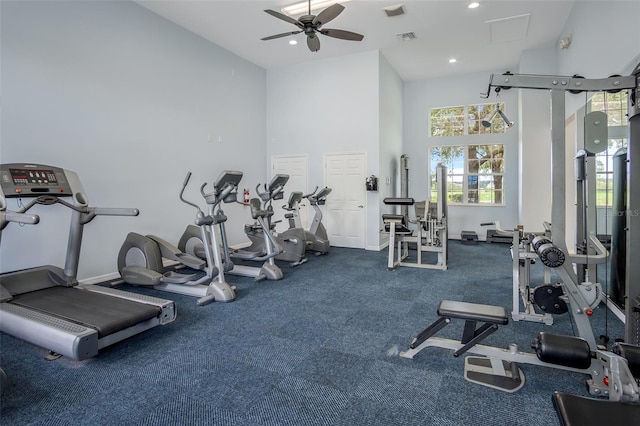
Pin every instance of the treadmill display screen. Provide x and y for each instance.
(33, 177)
(33, 180)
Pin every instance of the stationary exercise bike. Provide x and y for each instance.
(292, 240)
(140, 261)
(225, 190)
(316, 239)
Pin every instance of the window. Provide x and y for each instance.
(615, 105)
(474, 173)
(465, 120)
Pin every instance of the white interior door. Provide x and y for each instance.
(297, 167)
(345, 210)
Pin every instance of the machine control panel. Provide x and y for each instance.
(33, 180)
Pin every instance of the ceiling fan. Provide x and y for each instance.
(311, 26)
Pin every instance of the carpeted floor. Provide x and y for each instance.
(319, 347)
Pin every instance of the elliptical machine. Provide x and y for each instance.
(292, 240)
(191, 240)
(140, 260)
(316, 238)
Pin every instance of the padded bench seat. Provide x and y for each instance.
(473, 312)
(398, 221)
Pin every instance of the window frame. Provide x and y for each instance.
(471, 113)
(463, 178)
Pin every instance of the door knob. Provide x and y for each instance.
(361, 206)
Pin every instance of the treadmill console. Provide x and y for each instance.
(33, 180)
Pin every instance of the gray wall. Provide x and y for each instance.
(391, 124)
(327, 106)
(127, 100)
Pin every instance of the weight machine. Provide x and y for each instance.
(431, 230)
(610, 372)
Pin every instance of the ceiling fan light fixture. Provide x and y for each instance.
(302, 8)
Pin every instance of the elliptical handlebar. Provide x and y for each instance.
(311, 193)
(184, 186)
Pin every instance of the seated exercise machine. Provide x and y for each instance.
(499, 369)
(140, 261)
(610, 375)
(431, 231)
(45, 305)
(225, 189)
(316, 238)
(292, 241)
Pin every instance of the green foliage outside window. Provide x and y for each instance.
(474, 173)
(464, 120)
(615, 105)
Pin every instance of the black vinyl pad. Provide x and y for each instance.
(104, 313)
(574, 410)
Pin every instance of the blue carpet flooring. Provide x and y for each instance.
(319, 347)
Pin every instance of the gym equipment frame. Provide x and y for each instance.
(45, 305)
(431, 234)
(558, 86)
(610, 373)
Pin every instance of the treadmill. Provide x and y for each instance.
(45, 305)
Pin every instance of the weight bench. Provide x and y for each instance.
(488, 371)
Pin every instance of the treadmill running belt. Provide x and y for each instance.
(106, 314)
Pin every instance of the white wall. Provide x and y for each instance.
(534, 165)
(391, 124)
(605, 41)
(127, 100)
(327, 106)
(419, 98)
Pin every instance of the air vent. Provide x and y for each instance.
(406, 36)
(394, 10)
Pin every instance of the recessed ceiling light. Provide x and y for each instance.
(473, 5)
(453, 60)
(293, 42)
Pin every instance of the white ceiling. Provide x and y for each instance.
(443, 29)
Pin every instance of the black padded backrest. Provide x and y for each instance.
(632, 354)
(574, 410)
(398, 201)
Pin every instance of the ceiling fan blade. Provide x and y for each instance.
(342, 34)
(328, 14)
(281, 35)
(283, 17)
(313, 42)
